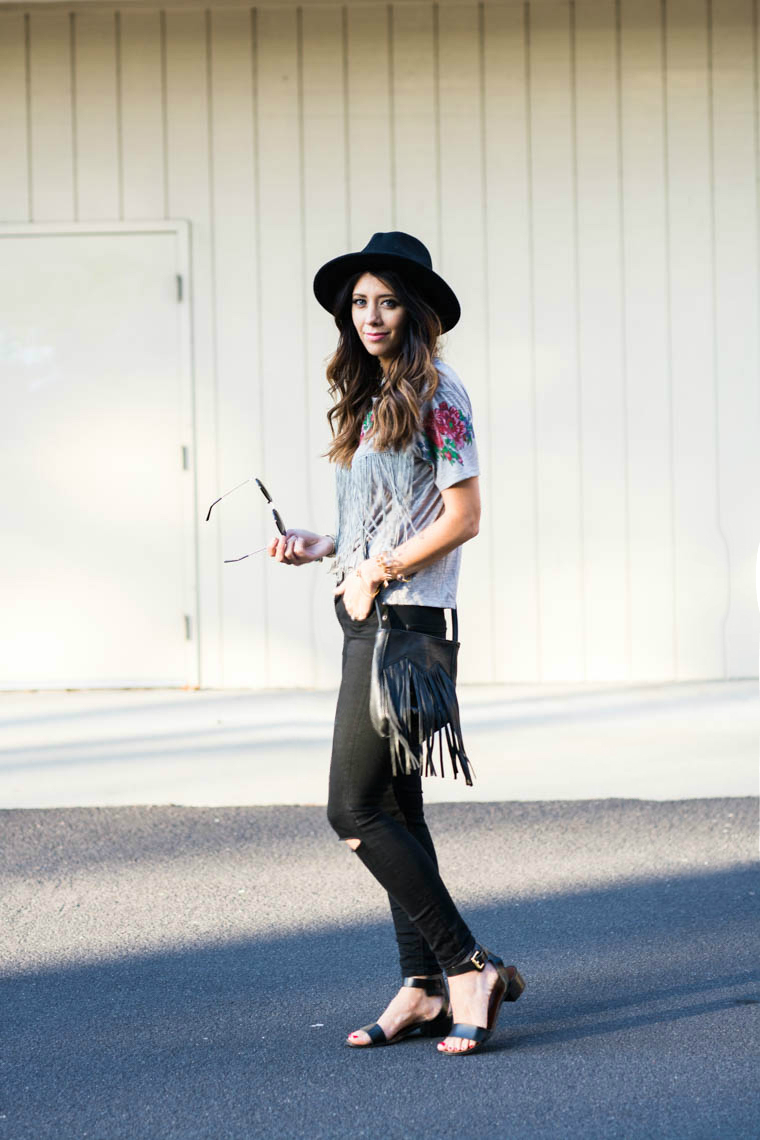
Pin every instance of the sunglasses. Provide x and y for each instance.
(275, 513)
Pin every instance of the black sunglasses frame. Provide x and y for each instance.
(275, 513)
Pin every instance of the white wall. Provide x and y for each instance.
(585, 176)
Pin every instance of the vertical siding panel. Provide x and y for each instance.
(674, 396)
(600, 343)
(557, 423)
(325, 236)
(513, 456)
(701, 572)
(97, 143)
(463, 262)
(648, 387)
(736, 291)
(187, 117)
(51, 117)
(142, 115)
(369, 124)
(242, 520)
(282, 335)
(14, 184)
(414, 126)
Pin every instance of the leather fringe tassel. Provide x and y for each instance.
(430, 695)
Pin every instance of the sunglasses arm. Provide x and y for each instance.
(226, 493)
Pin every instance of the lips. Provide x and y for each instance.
(375, 335)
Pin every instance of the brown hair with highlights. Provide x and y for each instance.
(355, 376)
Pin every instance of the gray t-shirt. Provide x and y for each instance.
(385, 497)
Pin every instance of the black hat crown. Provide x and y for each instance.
(400, 244)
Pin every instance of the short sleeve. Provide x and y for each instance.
(448, 438)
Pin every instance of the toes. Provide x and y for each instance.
(455, 1045)
(358, 1038)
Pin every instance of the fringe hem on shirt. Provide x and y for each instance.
(374, 499)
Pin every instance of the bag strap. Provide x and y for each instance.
(382, 618)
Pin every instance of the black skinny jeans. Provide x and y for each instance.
(384, 812)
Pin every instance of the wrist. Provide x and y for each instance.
(390, 567)
(369, 585)
(372, 574)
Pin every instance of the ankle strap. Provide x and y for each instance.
(476, 960)
(433, 987)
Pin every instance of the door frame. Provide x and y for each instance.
(181, 230)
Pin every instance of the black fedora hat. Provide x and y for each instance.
(395, 250)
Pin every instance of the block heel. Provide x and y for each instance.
(515, 983)
(439, 1026)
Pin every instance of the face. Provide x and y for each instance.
(379, 318)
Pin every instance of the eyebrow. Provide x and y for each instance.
(356, 293)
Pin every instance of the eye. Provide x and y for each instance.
(358, 300)
(390, 302)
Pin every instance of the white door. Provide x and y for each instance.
(97, 546)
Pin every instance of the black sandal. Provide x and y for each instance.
(508, 987)
(433, 987)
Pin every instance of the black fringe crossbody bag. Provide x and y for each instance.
(413, 696)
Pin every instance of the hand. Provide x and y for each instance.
(297, 547)
(357, 592)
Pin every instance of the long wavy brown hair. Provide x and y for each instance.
(355, 376)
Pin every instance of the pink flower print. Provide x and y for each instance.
(448, 429)
(451, 424)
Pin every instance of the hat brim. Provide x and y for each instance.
(334, 274)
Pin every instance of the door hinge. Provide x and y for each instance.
(185, 457)
(188, 628)
(179, 286)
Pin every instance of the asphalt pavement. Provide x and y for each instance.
(191, 972)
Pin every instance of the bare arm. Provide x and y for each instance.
(458, 522)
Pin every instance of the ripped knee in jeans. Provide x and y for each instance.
(352, 843)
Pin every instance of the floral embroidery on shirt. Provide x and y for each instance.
(446, 430)
(367, 424)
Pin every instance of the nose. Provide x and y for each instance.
(373, 313)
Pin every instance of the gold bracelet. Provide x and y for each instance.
(390, 566)
(358, 573)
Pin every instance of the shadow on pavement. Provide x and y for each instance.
(639, 1020)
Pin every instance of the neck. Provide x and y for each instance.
(385, 363)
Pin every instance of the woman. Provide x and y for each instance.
(408, 498)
